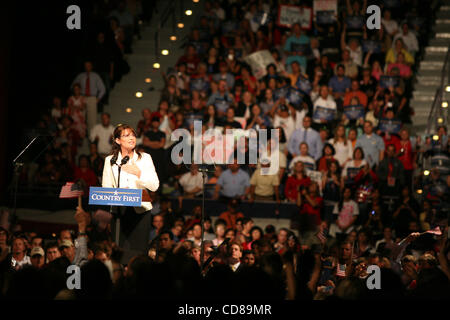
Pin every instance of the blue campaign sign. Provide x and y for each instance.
(115, 197)
(353, 112)
(389, 81)
(371, 45)
(322, 113)
(390, 125)
(325, 17)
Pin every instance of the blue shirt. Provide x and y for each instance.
(96, 85)
(312, 139)
(371, 146)
(287, 47)
(339, 85)
(221, 102)
(233, 185)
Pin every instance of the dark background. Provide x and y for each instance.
(39, 59)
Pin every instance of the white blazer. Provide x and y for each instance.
(148, 180)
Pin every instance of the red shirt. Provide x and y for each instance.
(407, 158)
(230, 218)
(307, 208)
(292, 184)
(88, 176)
(393, 140)
(323, 163)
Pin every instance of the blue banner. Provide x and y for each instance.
(390, 125)
(281, 92)
(371, 45)
(355, 22)
(295, 97)
(325, 17)
(115, 197)
(354, 112)
(389, 81)
(300, 48)
(321, 113)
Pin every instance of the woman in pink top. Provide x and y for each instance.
(76, 109)
(404, 69)
(377, 72)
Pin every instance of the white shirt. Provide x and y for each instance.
(287, 124)
(299, 115)
(390, 25)
(189, 182)
(324, 103)
(104, 135)
(410, 41)
(343, 152)
(148, 180)
(351, 164)
(19, 264)
(356, 55)
(304, 160)
(235, 266)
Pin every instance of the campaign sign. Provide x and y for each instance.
(221, 105)
(389, 81)
(390, 125)
(352, 172)
(289, 14)
(281, 93)
(303, 84)
(370, 45)
(325, 17)
(294, 96)
(198, 85)
(322, 113)
(354, 112)
(300, 48)
(115, 197)
(355, 22)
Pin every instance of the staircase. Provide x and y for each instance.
(430, 70)
(124, 106)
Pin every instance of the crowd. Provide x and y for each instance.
(338, 95)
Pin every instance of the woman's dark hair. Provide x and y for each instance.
(257, 228)
(338, 170)
(329, 145)
(360, 149)
(117, 134)
(341, 201)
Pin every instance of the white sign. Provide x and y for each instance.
(258, 61)
(325, 5)
(289, 15)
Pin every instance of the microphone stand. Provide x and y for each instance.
(204, 172)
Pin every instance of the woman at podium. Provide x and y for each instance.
(128, 168)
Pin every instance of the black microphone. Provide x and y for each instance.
(113, 160)
(124, 160)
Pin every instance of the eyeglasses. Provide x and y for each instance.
(129, 135)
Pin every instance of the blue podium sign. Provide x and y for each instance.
(115, 197)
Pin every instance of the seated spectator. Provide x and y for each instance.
(192, 182)
(190, 58)
(355, 92)
(96, 161)
(372, 145)
(257, 120)
(221, 100)
(224, 75)
(354, 166)
(403, 68)
(325, 109)
(230, 121)
(196, 234)
(350, 69)
(282, 118)
(297, 38)
(84, 172)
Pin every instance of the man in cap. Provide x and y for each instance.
(37, 257)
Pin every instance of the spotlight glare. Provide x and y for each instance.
(447, 88)
(440, 120)
(195, 1)
(156, 65)
(444, 104)
(181, 25)
(165, 52)
(419, 191)
(173, 38)
(148, 80)
(435, 137)
(128, 110)
(188, 12)
(139, 94)
(426, 172)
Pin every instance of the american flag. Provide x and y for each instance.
(71, 190)
(340, 270)
(436, 231)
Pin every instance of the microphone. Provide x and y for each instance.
(113, 160)
(124, 160)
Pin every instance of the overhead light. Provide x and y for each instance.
(139, 94)
(435, 137)
(419, 191)
(426, 172)
(173, 38)
(156, 65)
(195, 1)
(181, 25)
(188, 12)
(165, 52)
(444, 104)
(128, 110)
(148, 80)
(447, 88)
(140, 22)
(440, 120)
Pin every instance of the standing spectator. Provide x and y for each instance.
(354, 166)
(310, 203)
(347, 211)
(355, 92)
(96, 160)
(76, 109)
(339, 84)
(297, 38)
(104, 63)
(327, 158)
(233, 182)
(407, 156)
(102, 134)
(263, 185)
(37, 257)
(372, 145)
(231, 215)
(192, 182)
(84, 172)
(52, 251)
(409, 39)
(93, 89)
(144, 124)
(19, 257)
(304, 157)
(296, 182)
(126, 21)
(342, 146)
(154, 141)
(331, 186)
(308, 135)
(391, 173)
